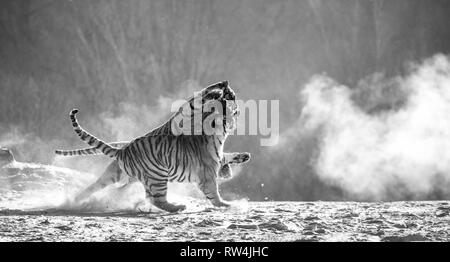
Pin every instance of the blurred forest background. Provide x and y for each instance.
(110, 58)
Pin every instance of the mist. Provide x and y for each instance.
(385, 138)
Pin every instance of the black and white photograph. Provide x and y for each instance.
(206, 121)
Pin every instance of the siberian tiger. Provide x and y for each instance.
(161, 156)
(113, 174)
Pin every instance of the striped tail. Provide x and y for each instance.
(92, 140)
(88, 151)
(78, 152)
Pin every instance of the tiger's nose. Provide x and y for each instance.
(229, 95)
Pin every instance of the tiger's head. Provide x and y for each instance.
(6, 156)
(211, 110)
(221, 93)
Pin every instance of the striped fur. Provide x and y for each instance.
(90, 139)
(88, 151)
(225, 171)
(160, 156)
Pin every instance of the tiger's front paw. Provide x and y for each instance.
(241, 158)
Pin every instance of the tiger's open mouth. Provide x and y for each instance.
(221, 92)
(231, 113)
(233, 107)
(230, 97)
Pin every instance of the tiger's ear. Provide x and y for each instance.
(214, 94)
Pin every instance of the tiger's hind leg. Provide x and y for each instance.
(156, 192)
(111, 175)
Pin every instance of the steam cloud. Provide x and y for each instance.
(386, 138)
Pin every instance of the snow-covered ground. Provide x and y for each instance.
(35, 205)
(259, 221)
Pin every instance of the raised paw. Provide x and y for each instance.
(169, 207)
(241, 158)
